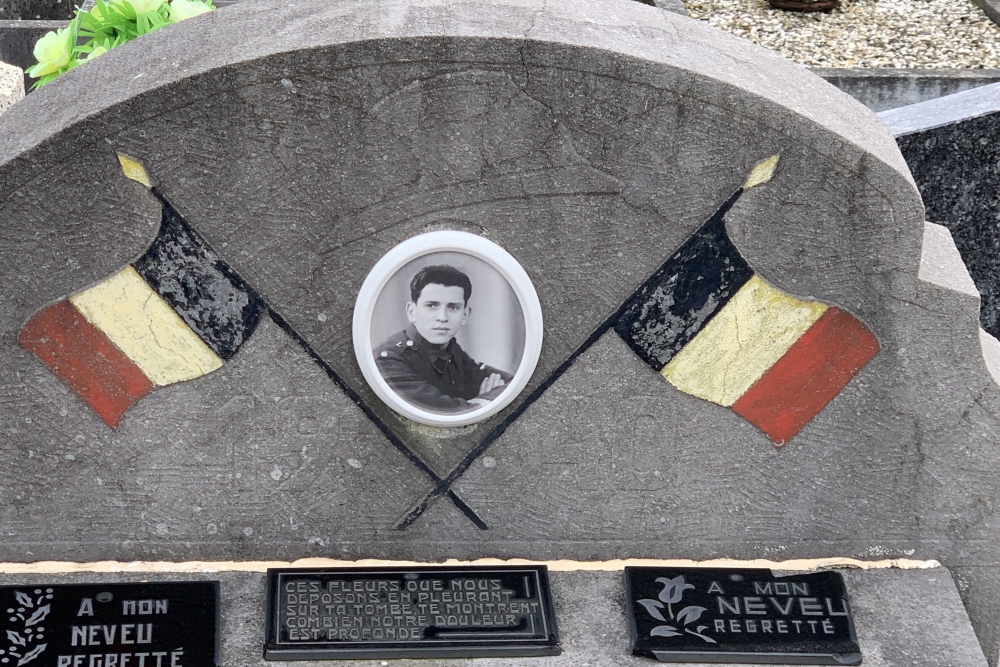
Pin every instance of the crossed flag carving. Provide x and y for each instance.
(704, 321)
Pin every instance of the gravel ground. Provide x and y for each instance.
(865, 33)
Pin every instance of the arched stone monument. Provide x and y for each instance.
(725, 250)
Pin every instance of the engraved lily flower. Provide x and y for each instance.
(673, 589)
(673, 592)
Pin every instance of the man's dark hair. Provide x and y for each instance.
(440, 274)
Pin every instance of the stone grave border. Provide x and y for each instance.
(589, 601)
(991, 8)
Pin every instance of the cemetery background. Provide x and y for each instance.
(947, 514)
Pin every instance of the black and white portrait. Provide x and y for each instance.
(447, 332)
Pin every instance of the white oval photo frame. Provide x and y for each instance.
(447, 241)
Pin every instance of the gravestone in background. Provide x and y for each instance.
(44, 10)
(949, 144)
(617, 152)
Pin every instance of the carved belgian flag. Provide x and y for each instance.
(704, 321)
(714, 329)
(176, 313)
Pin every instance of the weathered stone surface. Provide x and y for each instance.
(903, 618)
(11, 85)
(589, 139)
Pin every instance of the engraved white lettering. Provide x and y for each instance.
(843, 607)
(810, 607)
(784, 610)
(724, 605)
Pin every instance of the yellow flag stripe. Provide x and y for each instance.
(741, 342)
(762, 172)
(133, 170)
(141, 324)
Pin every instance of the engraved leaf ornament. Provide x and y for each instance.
(664, 631)
(23, 599)
(689, 614)
(653, 607)
(31, 655)
(38, 616)
(15, 638)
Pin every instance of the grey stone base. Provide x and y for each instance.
(904, 618)
(884, 88)
(676, 6)
(991, 8)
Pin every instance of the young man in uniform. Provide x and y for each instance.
(424, 363)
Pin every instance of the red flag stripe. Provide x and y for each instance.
(808, 376)
(86, 360)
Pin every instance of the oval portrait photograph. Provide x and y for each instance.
(447, 328)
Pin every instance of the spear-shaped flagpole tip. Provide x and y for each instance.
(133, 170)
(762, 172)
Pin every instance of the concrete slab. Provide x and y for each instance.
(903, 618)
(884, 88)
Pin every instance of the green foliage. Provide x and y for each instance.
(108, 25)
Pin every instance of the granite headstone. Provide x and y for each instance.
(740, 615)
(950, 146)
(111, 624)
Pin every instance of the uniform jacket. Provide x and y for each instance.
(431, 377)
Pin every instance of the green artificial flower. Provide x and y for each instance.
(109, 24)
(143, 6)
(53, 52)
(101, 11)
(185, 9)
(98, 50)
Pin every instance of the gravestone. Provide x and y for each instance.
(737, 353)
(949, 146)
(44, 10)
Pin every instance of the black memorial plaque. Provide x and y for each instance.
(740, 615)
(171, 624)
(425, 612)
